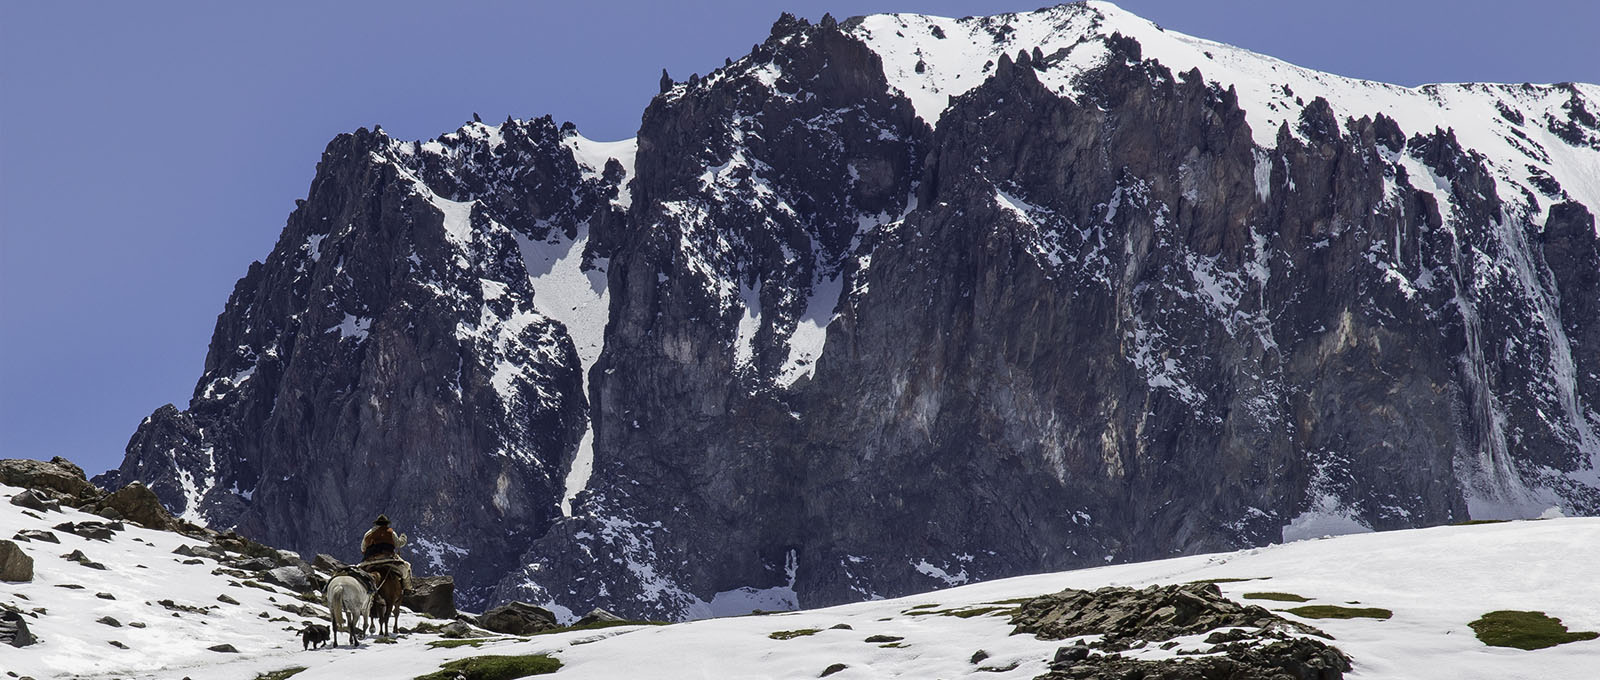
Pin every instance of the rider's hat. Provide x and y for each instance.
(382, 520)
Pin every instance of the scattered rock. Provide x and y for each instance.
(136, 624)
(109, 513)
(597, 615)
(224, 648)
(15, 565)
(80, 558)
(1302, 658)
(105, 596)
(69, 586)
(1156, 613)
(194, 560)
(116, 643)
(175, 607)
(223, 598)
(37, 535)
(980, 655)
(187, 550)
(517, 618)
(109, 621)
(841, 626)
(879, 639)
(14, 630)
(256, 564)
(100, 531)
(34, 500)
(303, 610)
(830, 670)
(431, 595)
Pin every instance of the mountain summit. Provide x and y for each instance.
(905, 301)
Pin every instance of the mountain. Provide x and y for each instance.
(903, 302)
(153, 614)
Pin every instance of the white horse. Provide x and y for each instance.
(348, 598)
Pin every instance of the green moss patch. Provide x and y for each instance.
(280, 675)
(1333, 611)
(1278, 597)
(1525, 630)
(792, 634)
(496, 667)
(452, 644)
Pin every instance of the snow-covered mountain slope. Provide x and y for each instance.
(1435, 581)
(906, 301)
(1524, 131)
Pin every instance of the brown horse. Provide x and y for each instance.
(386, 596)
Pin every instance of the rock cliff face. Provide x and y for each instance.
(906, 301)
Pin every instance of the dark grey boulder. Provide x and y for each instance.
(517, 618)
(328, 563)
(432, 595)
(14, 629)
(459, 629)
(34, 500)
(15, 565)
(136, 502)
(36, 535)
(80, 558)
(598, 615)
(224, 648)
(57, 478)
(292, 577)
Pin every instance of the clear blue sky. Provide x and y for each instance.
(150, 151)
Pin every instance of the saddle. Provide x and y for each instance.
(359, 575)
(391, 566)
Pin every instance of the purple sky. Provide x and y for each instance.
(150, 151)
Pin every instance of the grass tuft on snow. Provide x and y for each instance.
(1525, 630)
(792, 634)
(496, 667)
(1277, 597)
(1333, 611)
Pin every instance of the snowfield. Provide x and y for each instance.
(1435, 581)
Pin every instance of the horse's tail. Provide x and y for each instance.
(335, 597)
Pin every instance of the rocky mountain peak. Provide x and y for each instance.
(903, 301)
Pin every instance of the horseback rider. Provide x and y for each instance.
(380, 545)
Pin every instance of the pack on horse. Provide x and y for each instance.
(390, 573)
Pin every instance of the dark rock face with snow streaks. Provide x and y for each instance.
(901, 302)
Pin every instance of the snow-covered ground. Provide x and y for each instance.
(1435, 581)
